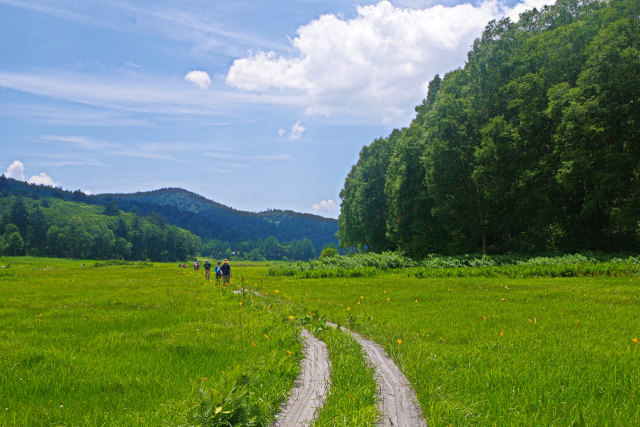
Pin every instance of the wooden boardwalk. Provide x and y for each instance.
(311, 387)
(397, 400)
(398, 403)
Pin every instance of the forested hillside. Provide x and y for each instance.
(222, 231)
(211, 220)
(533, 146)
(58, 228)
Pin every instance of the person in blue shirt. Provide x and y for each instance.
(218, 272)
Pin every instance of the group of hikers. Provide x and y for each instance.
(222, 270)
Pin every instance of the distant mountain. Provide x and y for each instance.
(201, 216)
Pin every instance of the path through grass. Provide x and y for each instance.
(485, 351)
(156, 345)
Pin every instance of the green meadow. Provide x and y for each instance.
(497, 351)
(141, 344)
(137, 345)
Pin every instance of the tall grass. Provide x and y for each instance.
(370, 264)
(155, 345)
(497, 351)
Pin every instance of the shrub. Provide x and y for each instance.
(329, 253)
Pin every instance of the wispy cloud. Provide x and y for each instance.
(248, 158)
(138, 93)
(193, 24)
(132, 149)
(76, 116)
(80, 142)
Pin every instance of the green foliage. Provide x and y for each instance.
(246, 402)
(531, 147)
(356, 265)
(205, 218)
(329, 253)
(14, 244)
(370, 264)
(364, 199)
(76, 230)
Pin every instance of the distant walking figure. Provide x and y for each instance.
(218, 271)
(207, 269)
(226, 272)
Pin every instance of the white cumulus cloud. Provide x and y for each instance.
(376, 64)
(15, 170)
(42, 179)
(328, 206)
(296, 131)
(200, 79)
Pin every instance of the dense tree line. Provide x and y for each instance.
(57, 228)
(533, 146)
(52, 227)
(205, 218)
(259, 250)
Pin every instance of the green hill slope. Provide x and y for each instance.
(205, 218)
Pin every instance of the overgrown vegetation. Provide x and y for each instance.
(370, 264)
(161, 346)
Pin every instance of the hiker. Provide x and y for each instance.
(207, 269)
(218, 272)
(226, 272)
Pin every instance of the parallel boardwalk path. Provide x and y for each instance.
(398, 403)
(310, 390)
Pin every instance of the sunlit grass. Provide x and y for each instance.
(158, 345)
(126, 345)
(352, 398)
(498, 351)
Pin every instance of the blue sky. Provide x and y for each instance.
(254, 104)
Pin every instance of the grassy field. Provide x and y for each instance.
(137, 345)
(498, 351)
(151, 345)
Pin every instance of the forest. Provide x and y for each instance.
(45, 226)
(208, 220)
(532, 147)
